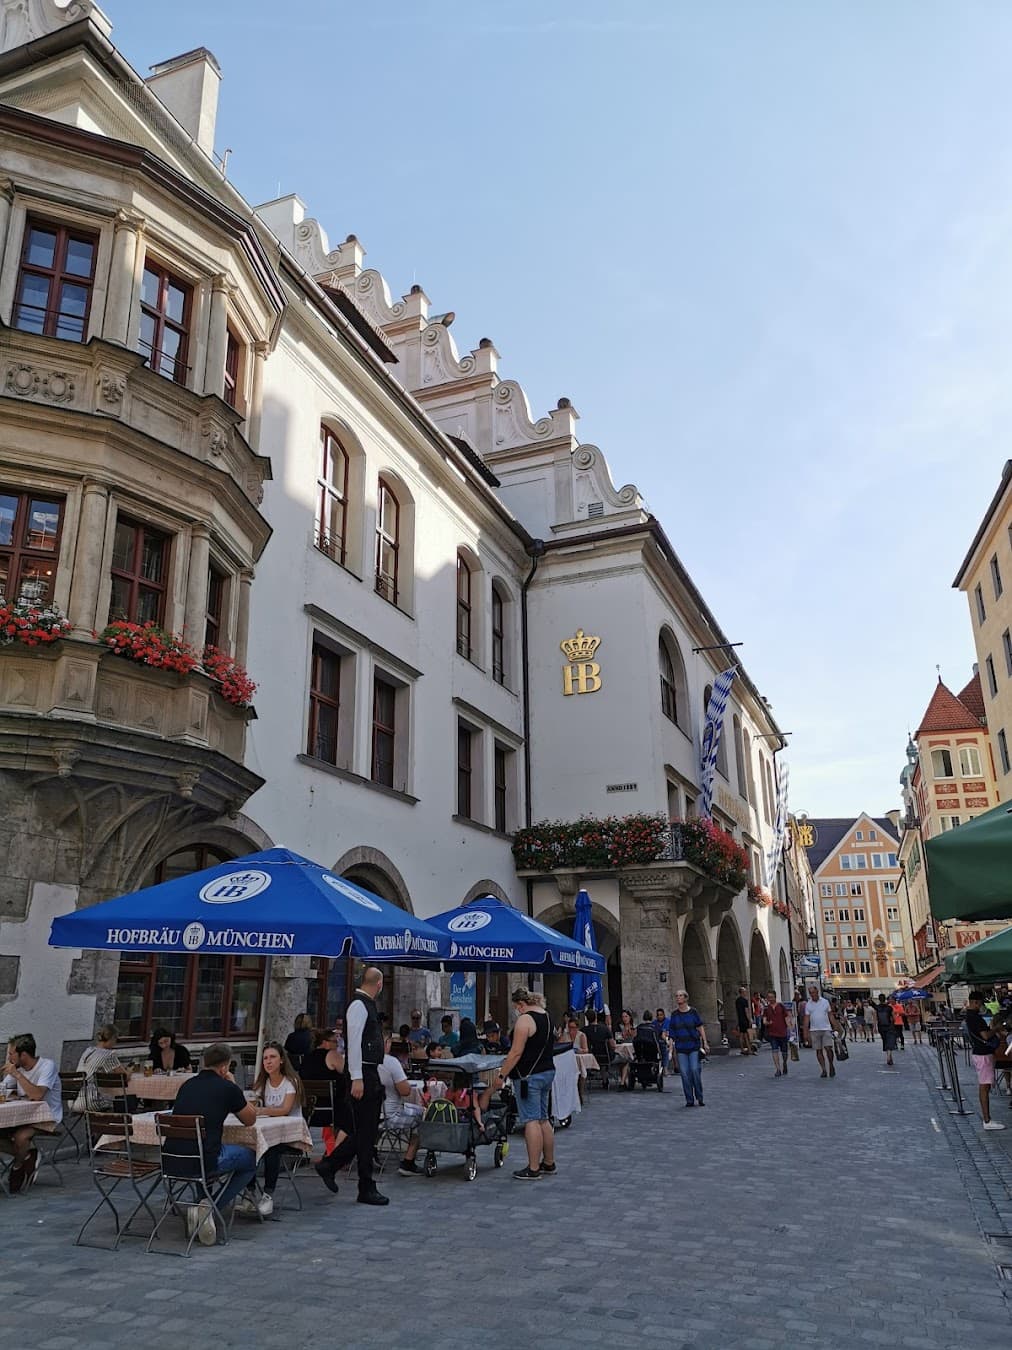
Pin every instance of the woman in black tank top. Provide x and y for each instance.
(530, 1065)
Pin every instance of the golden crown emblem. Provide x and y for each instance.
(580, 648)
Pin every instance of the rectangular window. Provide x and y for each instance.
(857, 888)
(55, 281)
(498, 639)
(195, 995)
(862, 939)
(889, 888)
(324, 704)
(384, 731)
(214, 631)
(864, 967)
(501, 769)
(859, 835)
(387, 543)
(465, 753)
(891, 859)
(892, 913)
(969, 761)
(140, 557)
(833, 940)
(877, 860)
(845, 916)
(826, 889)
(841, 888)
(978, 596)
(900, 968)
(1006, 642)
(873, 835)
(829, 915)
(463, 609)
(859, 916)
(858, 861)
(995, 576)
(992, 678)
(849, 968)
(1003, 750)
(834, 967)
(231, 391)
(29, 546)
(845, 862)
(165, 322)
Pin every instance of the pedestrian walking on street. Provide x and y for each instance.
(820, 1024)
(870, 1020)
(799, 1016)
(531, 1066)
(688, 1035)
(984, 1041)
(778, 1018)
(743, 1011)
(898, 1023)
(886, 1029)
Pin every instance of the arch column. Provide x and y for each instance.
(129, 228)
(88, 558)
(195, 618)
(217, 334)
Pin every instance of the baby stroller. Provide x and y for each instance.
(451, 1128)
(647, 1069)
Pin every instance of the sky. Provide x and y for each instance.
(764, 248)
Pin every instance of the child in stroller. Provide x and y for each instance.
(464, 1119)
(647, 1068)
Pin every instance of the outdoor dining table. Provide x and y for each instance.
(21, 1111)
(156, 1087)
(264, 1133)
(624, 1050)
(587, 1064)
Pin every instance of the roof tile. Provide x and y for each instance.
(946, 712)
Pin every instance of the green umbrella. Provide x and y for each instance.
(970, 868)
(988, 960)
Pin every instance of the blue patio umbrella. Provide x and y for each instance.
(274, 903)
(489, 932)
(906, 995)
(585, 990)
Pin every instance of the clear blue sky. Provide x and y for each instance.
(765, 248)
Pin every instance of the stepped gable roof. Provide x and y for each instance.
(946, 712)
(972, 696)
(830, 830)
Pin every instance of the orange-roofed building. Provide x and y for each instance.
(949, 778)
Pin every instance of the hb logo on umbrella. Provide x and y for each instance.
(470, 922)
(234, 886)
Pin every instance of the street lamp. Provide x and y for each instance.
(812, 939)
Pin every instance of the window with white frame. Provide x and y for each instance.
(892, 860)
(834, 967)
(889, 888)
(862, 939)
(847, 940)
(849, 968)
(864, 967)
(841, 888)
(857, 888)
(941, 763)
(826, 889)
(969, 761)
(892, 913)
(900, 968)
(873, 835)
(833, 940)
(829, 915)
(859, 835)
(859, 916)
(845, 916)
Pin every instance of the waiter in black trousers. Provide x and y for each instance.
(363, 1034)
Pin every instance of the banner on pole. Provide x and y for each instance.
(712, 729)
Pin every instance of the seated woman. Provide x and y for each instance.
(469, 1044)
(98, 1058)
(299, 1042)
(279, 1093)
(573, 1033)
(626, 1027)
(166, 1054)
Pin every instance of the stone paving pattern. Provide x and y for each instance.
(824, 1213)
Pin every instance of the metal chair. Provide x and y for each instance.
(293, 1160)
(73, 1087)
(184, 1175)
(110, 1144)
(113, 1086)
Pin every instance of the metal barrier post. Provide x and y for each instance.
(960, 1109)
(943, 1086)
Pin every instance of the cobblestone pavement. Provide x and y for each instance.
(830, 1213)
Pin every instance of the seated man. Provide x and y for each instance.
(36, 1079)
(398, 1111)
(496, 1040)
(449, 1039)
(214, 1095)
(601, 1044)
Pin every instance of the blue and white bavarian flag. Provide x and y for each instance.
(711, 735)
(779, 824)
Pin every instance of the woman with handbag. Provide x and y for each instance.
(688, 1034)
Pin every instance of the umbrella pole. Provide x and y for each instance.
(488, 991)
(262, 1028)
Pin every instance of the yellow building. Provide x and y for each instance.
(864, 933)
(949, 778)
(986, 579)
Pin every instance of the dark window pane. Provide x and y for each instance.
(80, 257)
(153, 558)
(41, 247)
(5, 569)
(32, 304)
(123, 546)
(147, 605)
(208, 1013)
(8, 510)
(149, 288)
(337, 991)
(129, 1014)
(119, 600)
(175, 302)
(326, 733)
(244, 1014)
(170, 977)
(147, 334)
(328, 674)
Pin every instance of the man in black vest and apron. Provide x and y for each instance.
(364, 1049)
(532, 1068)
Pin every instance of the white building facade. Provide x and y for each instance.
(322, 487)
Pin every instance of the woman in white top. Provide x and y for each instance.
(279, 1092)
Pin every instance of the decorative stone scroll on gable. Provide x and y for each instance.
(593, 484)
(312, 249)
(23, 21)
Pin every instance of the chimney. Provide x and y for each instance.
(188, 86)
(894, 818)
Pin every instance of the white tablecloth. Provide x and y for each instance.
(157, 1087)
(565, 1096)
(262, 1135)
(624, 1051)
(24, 1112)
(586, 1064)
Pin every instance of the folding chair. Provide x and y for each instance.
(391, 1142)
(112, 1164)
(113, 1086)
(185, 1178)
(293, 1160)
(72, 1086)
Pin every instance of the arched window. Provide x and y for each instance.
(941, 764)
(388, 542)
(765, 782)
(332, 497)
(674, 689)
(499, 652)
(722, 742)
(464, 579)
(746, 744)
(739, 763)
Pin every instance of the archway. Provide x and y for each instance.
(699, 982)
(786, 988)
(730, 970)
(606, 934)
(759, 964)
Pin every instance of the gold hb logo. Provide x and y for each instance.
(583, 674)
